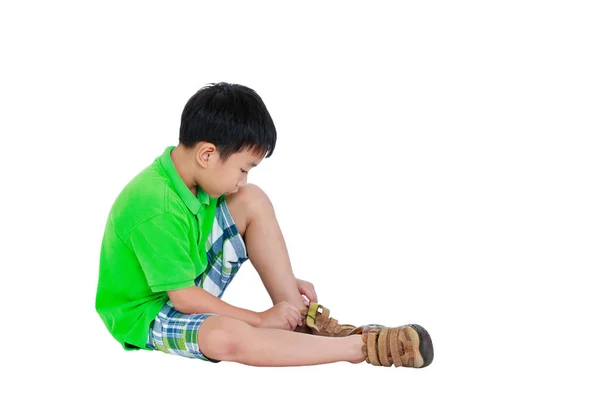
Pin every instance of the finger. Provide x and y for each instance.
(288, 319)
(311, 293)
(305, 300)
(291, 324)
(297, 317)
(297, 312)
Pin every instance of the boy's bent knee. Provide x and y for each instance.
(220, 338)
(249, 202)
(250, 197)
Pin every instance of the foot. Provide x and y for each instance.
(404, 346)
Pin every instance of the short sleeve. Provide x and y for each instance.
(162, 246)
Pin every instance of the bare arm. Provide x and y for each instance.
(195, 300)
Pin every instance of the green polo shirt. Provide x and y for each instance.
(154, 240)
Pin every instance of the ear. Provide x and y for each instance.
(205, 153)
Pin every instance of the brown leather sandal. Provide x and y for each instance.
(318, 322)
(404, 346)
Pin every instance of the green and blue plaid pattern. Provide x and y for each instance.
(177, 333)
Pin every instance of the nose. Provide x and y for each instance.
(243, 181)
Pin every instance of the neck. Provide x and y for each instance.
(183, 160)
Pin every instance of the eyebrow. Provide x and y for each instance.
(253, 165)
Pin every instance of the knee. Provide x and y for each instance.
(220, 338)
(252, 198)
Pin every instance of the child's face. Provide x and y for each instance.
(227, 177)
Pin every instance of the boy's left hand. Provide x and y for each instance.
(307, 290)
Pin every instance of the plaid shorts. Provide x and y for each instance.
(176, 333)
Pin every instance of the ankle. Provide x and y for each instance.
(355, 353)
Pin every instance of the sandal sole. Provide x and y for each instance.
(425, 344)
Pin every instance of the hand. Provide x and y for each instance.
(307, 290)
(281, 316)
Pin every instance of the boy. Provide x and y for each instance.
(178, 233)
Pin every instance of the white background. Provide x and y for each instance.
(437, 163)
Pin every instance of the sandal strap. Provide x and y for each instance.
(318, 321)
(331, 325)
(372, 347)
(314, 319)
(384, 346)
(395, 347)
(408, 356)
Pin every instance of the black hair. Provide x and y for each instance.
(233, 117)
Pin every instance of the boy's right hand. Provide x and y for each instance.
(281, 316)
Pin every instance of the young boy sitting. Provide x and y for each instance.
(180, 230)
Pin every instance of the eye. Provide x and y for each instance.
(244, 171)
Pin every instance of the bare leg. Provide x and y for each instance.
(228, 339)
(255, 218)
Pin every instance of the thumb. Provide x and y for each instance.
(306, 300)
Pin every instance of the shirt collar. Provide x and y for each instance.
(192, 202)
